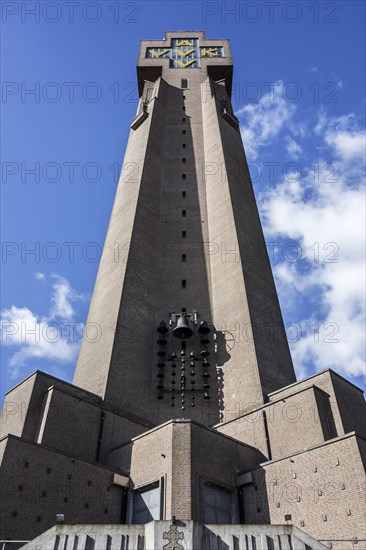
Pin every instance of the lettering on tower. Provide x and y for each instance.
(185, 53)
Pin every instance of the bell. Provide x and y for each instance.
(161, 342)
(162, 328)
(173, 356)
(192, 355)
(206, 395)
(204, 328)
(182, 330)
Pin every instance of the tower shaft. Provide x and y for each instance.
(185, 235)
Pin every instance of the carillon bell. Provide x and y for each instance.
(161, 342)
(204, 328)
(162, 329)
(182, 331)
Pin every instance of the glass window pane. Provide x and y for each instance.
(146, 505)
(217, 505)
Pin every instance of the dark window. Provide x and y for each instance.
(184, 176)
(184, 96)
(184, 194)
(184, 132)
(184, 234)
(184, 283)
(184, 160)
(184, 83)
(65, 499)
(184, 145)
(184, 257)
(217, 505)
(183, 108)
(48, 470)
(184, 310)
(183, 119)
(183, 213)
(146, 504)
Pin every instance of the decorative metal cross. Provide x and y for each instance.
(173, 537)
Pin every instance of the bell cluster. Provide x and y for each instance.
(183, 376)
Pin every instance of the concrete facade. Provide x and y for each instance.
(109, 451)
(192, 536)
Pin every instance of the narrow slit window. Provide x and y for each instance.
(184, 132)
(184, 108)
(184, 160)
(184, 234)
(184, 145)
(184, 83)
(184, 213)
(184, 257)
(184, 194)
(184, 283)
(184, 176)
(183, 119)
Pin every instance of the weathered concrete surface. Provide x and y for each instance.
(156, 535)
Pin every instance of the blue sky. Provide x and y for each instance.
(299, 93)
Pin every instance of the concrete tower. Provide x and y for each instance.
(184, 428)
(185, 208)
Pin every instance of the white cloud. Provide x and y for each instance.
(262, 122)
(62, 298)
(342, 135)
(51, 337)
(294, 150)
(327, 218)
(347, 145)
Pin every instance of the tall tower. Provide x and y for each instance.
(184, 426)
(185, 245)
